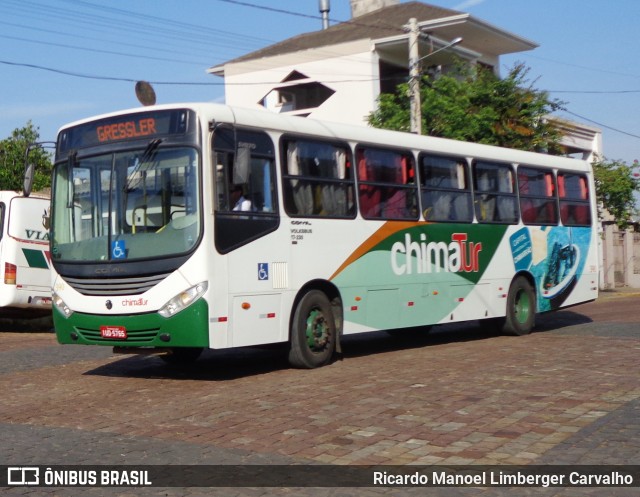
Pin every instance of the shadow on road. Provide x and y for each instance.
(22, 323)
(222, 365)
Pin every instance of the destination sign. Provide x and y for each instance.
(133, 126)
(130, 129)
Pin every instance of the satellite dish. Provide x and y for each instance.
(145, 93)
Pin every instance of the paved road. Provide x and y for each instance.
(567, 394)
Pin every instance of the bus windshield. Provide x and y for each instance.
(123, 206)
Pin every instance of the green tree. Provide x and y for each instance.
(616, 183)
(12, 159)
(472, 104)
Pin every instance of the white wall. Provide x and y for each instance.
(354, 76)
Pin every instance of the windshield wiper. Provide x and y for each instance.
(146, 157)
(150, 150)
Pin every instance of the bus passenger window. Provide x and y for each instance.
(387, 187)
(573, 190)
(317, 179)
(445, 191)
(495, 197)
(537, 190)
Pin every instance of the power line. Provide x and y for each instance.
(274, 9)
(389, 27)
(97, 50)
(595, 92)
(199, 38)
(104, 78)
(162, 20)
(601, 125)
(596, 69)
(177, 83)
(112, 25)
(51, 31)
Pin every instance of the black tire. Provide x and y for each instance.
(313, 332)
(521, 308)
(182, 356)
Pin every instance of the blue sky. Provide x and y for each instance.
(587, 57)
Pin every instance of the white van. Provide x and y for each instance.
(24, 254)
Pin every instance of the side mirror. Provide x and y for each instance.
(30, 167)
(28, 179)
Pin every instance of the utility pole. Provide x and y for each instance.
(414, 77)
(415, 72)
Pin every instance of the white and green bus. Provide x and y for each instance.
(178, 228)
(25, 287)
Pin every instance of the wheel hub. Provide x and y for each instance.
(317, 331)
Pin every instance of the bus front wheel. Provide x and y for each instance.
(521, 308)
(313, 332)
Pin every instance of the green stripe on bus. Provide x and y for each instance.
(35, 258)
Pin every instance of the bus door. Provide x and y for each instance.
(250, 274)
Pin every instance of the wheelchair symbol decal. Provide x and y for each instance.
(118, 249)
(263, 271)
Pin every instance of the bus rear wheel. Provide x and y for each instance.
(521, 308)
(313, 332)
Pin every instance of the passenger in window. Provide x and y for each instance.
(240, 203)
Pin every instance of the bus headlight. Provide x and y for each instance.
(61, 306)
(183, 300)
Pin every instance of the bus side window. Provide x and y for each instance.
(495, 197)
(369, 195)
(387, 188)
(573, 191)
(537, 191)
(445, 191)
(317, 178)
(2, 208)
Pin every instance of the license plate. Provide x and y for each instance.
(113, 332)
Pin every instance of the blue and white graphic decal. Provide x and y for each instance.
(558, 259)
(521, 249)
(118, 249)
(263, 271)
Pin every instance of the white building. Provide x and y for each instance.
(337, 74)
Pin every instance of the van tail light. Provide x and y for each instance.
(10, 271)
